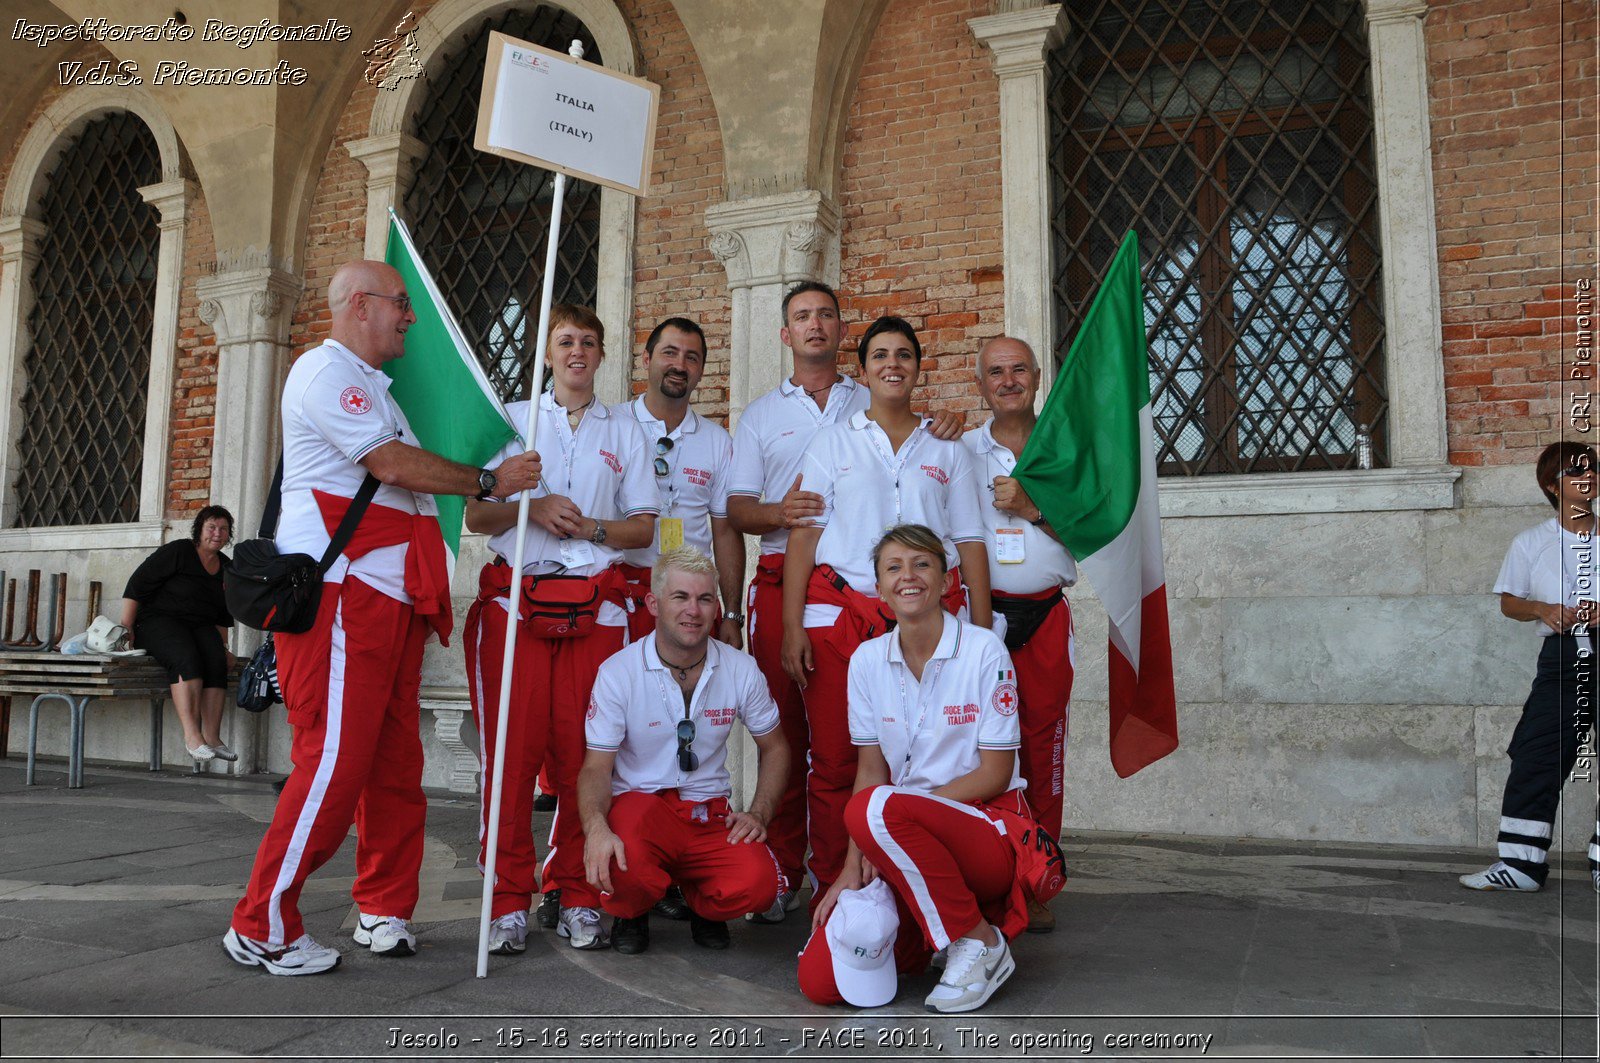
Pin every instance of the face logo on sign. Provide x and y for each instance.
(354, 400)
(1005, 698)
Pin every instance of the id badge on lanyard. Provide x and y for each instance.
(926, 689)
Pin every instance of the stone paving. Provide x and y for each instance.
(113, 899)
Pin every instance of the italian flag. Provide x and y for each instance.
(440, 385)
(1090, 467)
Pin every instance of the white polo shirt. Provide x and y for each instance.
(695, 488)
(635, 708)
(1046, 563)
(1548, 563)
(336, 411)
(770, 442)
(867, 487)
(931, 731)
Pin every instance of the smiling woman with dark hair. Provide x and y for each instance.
(173, 607)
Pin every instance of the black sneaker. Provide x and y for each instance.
(708, 933)
(544, 803)
(672, 905)
(631, 936)
(548, 914)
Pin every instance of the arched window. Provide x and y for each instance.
(82, 423)
(1235, 136)
(481, 222)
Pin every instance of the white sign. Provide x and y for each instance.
(542, 107)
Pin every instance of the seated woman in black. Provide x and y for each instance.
(173, 608)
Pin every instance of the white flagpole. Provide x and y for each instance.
(513, 612)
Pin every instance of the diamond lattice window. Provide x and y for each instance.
(81, 444)
(1235, 137)
(481, 222)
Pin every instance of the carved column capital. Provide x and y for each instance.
(1381, 11)
(172, 199)
(19, 239)
(249, 305)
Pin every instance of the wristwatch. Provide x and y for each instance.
(737, 618)
(1040, 522)
(486, 485)
(599, 535)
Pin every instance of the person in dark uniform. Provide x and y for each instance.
(1548, 578)
(174, 609)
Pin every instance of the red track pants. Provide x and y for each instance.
(350, 684)
(947, 861)
(1044, 684)
(667, 841)
(786, 834)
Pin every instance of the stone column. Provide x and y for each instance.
(1020, 38)
(249, 309)
(389, 158)
(19, 254)
(768, 245)
(1401, 138)
(171, 199)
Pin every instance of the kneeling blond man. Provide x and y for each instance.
(654, 790)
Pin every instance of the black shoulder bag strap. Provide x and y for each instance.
(341, 534)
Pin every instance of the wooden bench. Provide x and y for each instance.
(78, 681)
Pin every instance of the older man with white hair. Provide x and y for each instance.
(654, 792)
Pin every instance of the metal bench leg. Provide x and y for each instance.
(33, 734)
(80, 724)
(156, 705)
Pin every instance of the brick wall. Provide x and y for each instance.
(920, 193)
(1515, 180)
(194, 378)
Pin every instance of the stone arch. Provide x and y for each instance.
(389, 150)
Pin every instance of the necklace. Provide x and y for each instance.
(684, 670)
(574, 415)
(811, 394)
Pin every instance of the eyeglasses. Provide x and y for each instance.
(401, 301)
(687, 761)
(663, 447)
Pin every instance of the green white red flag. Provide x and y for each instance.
(1090, 468)
(440, 385)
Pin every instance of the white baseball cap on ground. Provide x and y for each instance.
(861, 931)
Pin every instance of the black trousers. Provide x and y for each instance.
(186, 650)
(1557, 719)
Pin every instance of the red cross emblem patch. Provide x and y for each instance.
(354, 400)
(1005, 698)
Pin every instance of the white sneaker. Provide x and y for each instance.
(201, 753)
(1500, 876)
(508, 935)
(788, 901)
(385, 935)
(221, 751)
(302, 956)
(1595, 871)
(972, 973)
(582, 927)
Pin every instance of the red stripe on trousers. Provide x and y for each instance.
(367, 771)
(663, 844)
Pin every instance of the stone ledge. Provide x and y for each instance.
(1366, 490)
(140, 535)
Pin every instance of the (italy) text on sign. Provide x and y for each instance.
(542, 107)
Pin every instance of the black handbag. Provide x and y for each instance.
(270, 591)
(258, 682)
(1024, 617)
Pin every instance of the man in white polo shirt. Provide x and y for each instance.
(654, 790)
(350, 683)
(767, 497)
(692, 462)
(1028, 571)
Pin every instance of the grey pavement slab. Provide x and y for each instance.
(113, 899)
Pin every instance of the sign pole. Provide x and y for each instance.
(514, 604)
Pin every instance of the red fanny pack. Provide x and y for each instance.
(1041, 867)
(555, 606)
(769, 569)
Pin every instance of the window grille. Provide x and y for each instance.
(81, 445)
(1235, 137)
(481, 222)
